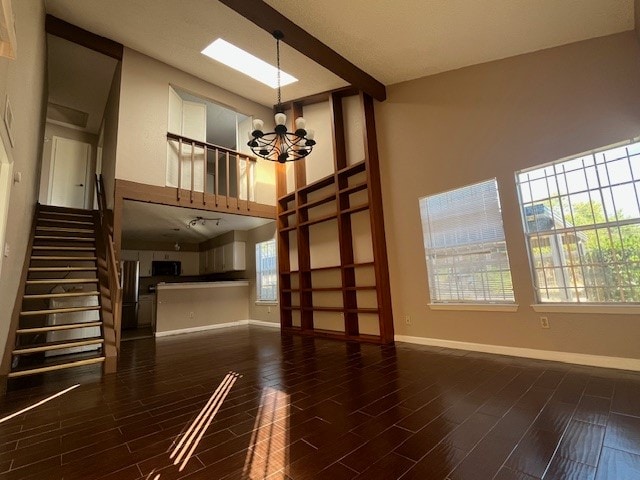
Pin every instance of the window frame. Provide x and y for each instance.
(492, 305)
(260, 273)
(577, 305)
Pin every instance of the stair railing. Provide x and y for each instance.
(5, 361)
(112, 273)
(232, 173)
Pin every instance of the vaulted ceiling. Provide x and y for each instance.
(394, 41)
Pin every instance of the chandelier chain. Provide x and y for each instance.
(278, 63)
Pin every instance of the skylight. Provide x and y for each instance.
(236, 58)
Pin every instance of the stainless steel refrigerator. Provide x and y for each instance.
(130, 271)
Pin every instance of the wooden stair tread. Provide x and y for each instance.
(68, 239)
(48, 228)
(63, 269)
(60, 364)
(59, 247)
(59, 327)
(40, 296)
(60, 281)
(54, 210)
(67, 258)
(50, 311)
(59, 345)
(59, 220)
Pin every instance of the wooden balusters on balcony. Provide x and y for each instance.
(226, 192)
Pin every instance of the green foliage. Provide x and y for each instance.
(615, 252)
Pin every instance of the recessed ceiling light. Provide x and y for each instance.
(236, 58)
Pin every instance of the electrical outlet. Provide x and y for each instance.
(544, 322)
(192, 314)
(407, 319)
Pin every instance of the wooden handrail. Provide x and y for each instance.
(211, 146)
(115, 287)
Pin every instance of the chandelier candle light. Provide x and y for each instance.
(281, 145)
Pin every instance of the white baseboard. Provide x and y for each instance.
(566, 357)
(262, 323)
(216, 326)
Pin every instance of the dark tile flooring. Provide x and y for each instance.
(323, 409)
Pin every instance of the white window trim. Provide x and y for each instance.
(615, 309)
(477, 307)
(259, 300)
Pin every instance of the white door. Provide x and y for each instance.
(69, 169)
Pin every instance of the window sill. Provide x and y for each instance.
(266, 303)
(478, 307)
(586, 308)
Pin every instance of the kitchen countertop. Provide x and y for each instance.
(190, 285)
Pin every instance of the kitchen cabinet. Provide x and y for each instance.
(128, 255)
(233, 257)
(145, 257)
(218, 259)
(202, 262)
(190, 263)
(169, 256)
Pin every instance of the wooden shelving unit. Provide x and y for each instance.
(308, 205)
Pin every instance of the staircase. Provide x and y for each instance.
(60, 324)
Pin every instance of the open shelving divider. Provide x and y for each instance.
(293, 216)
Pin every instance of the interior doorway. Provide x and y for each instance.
(69, 177)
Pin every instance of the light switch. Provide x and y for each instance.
(6, 250)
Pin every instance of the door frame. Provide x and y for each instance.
(6, 183)
(52, 168)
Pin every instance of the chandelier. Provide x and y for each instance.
(281, 144)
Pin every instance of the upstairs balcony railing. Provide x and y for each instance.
(210, 173)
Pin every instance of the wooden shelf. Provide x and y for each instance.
(318, 202)
(329, 289)
(325, 181)
(332, 267)
(296, 214)
(354, 188)
(333, 335)
(354, 169)
(317, 185)
(356, 209)
(332, 309)
(289, 197)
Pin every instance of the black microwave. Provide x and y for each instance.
(165, 268)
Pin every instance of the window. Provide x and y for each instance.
(464, 246)
(582, 223)
(266, 271)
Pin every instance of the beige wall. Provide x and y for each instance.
(265, 313)
(52, 130)
(144, 113)
(180, 308)
(23, 81)
(110, 139)
(461, 127)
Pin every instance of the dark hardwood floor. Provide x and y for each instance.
(324, 409)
